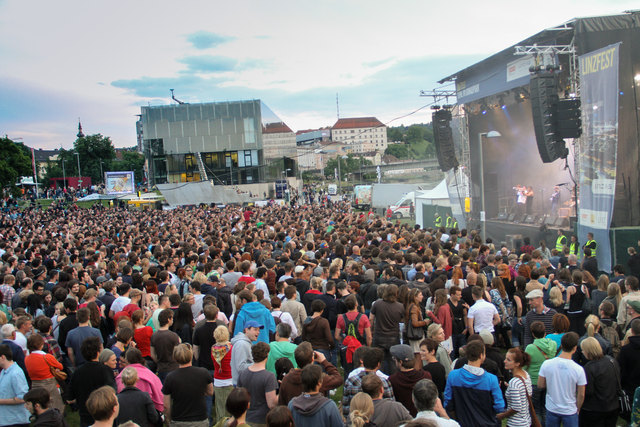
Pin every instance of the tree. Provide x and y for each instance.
(349, 165)
(394, 134)
(96, 154)
(398, 150)
(14, 163)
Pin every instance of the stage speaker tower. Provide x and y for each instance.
(443, 138)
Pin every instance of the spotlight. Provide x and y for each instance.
(484, 112)
(435, 107)
(504, 107)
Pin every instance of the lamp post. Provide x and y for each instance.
(101, 172)
(64, 177)
(79, 172)
(483, 214)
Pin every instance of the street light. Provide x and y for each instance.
(483, 214)
(79, 173)
(101, 172)
(64, 176)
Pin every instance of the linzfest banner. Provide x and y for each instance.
(598, 148)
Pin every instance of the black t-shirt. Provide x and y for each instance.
(87, 378)
(457, 317)
(387, 318)
(438, 375)
(163, 343)
(187, 388)
(203, 338)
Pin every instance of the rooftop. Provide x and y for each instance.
(357, 122)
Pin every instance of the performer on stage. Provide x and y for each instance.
(555, 200)
(529, 202)
(521, 200)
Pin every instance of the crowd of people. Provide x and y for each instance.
(311, 315)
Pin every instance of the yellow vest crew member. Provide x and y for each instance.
(591, 244)
(560, 241)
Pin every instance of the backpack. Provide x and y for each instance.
(610, 333)
(277, 320)
(351, 328)
(183, 288)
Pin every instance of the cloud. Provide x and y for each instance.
(205, 39)
(208, 64)
(158, 87)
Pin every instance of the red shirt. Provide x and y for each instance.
(142, 337)
(222, 370)
(351, 315)
(247, 279)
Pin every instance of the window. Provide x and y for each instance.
(249, 131)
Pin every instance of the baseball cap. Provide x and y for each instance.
(299, 269)
(635, 305)
(402, 352)
(253, 324)
(101, 279)
(536, 293)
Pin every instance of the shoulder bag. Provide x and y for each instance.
(414, 333)
(58, 374)
(535, 422)
(623, 398)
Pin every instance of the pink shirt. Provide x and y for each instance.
(147, 381)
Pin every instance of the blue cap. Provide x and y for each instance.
(253, 324)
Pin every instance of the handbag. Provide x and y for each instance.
(58, 374)
(535, 422)
(414, 333)
(623, 398)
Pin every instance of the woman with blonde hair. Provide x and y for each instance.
(592, 325)
(361, 410)
(614, 295)
(436, 333)
(556, 301)
(600, 407)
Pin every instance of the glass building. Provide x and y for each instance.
(219, 141)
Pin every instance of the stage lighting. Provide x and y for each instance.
(484, 112)
(435, 107)
(504, 107)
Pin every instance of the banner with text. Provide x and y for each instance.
(598, 147)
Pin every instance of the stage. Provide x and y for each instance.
(512, 233)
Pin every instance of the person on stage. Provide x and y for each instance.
(529, 201)
(521, 200)
(555, 200)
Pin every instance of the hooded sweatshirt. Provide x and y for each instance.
(50, 418)
(318, 333)
(403, 382)
(314, 410)
(474, 395)
(259, 313)
(241, 356)
(540, 350)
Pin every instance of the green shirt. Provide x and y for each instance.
(280, 349)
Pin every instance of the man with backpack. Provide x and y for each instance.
(357, 332)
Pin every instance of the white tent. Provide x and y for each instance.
(439, 195)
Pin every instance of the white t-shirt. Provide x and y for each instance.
(562, 376)
(482, 314)
(286, 318)
(119, 303)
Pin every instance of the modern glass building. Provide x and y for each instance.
(219, 141)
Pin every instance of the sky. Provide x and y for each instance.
(100, 61)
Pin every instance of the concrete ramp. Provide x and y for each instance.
(195, 193)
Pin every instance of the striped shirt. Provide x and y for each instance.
(517, 400)
(545, 317)
(7, 294)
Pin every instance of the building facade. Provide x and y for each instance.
(361, 134)
(218, 141)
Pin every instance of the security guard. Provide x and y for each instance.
(561, 241)
(574, 246)
(438, 221)
(449, 221)
(455, 223)
(591, 244)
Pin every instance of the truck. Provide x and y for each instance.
(385, 195)
(361, 196)
(332, 189)
(405, 207)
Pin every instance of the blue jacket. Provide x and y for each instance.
(259, 313)
(474, 395)
(314, 410)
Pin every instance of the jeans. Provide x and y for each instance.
(516, 333)
(458, 340)
(555, 420)
(209, 400)
(538, 397)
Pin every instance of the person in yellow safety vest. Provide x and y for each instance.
(560, 241)
(591, 244)
(455, 223)
(574, 246)
(437, 222)
(449, 221)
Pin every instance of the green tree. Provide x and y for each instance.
(131, 161)
(398, 150)
(14, 163)
(394, 134)
(348, 165)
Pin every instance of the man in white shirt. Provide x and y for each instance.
(482, 314)
(119, 303)
(565, 382)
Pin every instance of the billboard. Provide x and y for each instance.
(119, 182)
